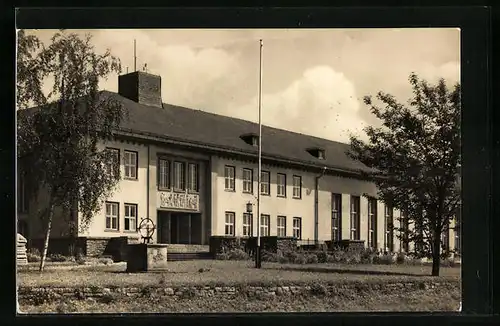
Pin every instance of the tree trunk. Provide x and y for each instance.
(47, 236)
(436, 253)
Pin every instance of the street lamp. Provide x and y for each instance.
(249, 207)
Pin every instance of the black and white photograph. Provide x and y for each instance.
(238, 170)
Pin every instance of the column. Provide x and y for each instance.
(397, 225)
(381, 227)
(411, 228)
(345, 212)
(363, 225)
(452, 234)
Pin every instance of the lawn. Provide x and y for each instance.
(226, 273)
(420, 300)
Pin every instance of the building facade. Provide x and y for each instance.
(194, 175)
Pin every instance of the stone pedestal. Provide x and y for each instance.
(142, 257)
(22, 258)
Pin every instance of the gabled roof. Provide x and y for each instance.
(199, 127)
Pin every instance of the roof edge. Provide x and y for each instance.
(229, 150)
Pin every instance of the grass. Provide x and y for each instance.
(227, 273)
(420, 300)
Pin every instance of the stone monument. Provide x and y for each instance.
(146, 257)
(22, 258)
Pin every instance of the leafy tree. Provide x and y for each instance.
(58, 138)
(415, 155)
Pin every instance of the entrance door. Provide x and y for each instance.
(174, 228)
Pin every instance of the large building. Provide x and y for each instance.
(194, 173)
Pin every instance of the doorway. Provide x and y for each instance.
(179, 228)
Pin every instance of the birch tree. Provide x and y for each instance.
(59, 129)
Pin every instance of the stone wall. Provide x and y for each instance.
(66, 246)
(115, 247)
(35, 295)
(219, 244)
(349, 245)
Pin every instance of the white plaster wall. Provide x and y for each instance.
(272, 205)
(126, 191)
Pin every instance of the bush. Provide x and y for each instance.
(290, 256)
(322, 257)
(234, 254)
(33, 258)
(58, 258)
(222, 256)
(300, 259)
(282, 259)
(366, 256)
(268, 256)
(338, 256)
(238, 254)
(353, 258)
(331, 259)
(105, 261)
(312, 258)
(386, 259)
(401, 258)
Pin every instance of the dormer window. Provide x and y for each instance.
(250, 139)
(319, 153)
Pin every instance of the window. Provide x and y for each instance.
(264, 183)
(130, 164)
(297, 228)
(336, 217)
(229, 225)
(281, 223)
(265, 225)
(163, 174)
(229, 177)
(457, 232)
(130, 217)
(248, 181)
(355, 220)
(179, 176)
(389, 228)
(372, 223)
(297, 186)
(404, 237)
(247, 224)
(192, 177)
(113, 160)
(23, 194)
(281, 185)
(111, 216)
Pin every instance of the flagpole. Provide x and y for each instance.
(258, 253)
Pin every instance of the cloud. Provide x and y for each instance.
(321, 103)
(313, 79)
(192, 77)
(449, 71)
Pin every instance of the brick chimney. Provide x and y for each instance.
(141, 87)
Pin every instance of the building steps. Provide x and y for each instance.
(184, 248)
(184, 256)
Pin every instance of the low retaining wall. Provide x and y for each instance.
(115, 247)
(36, 295)
(219, 244)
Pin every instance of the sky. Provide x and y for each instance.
(314, 80)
